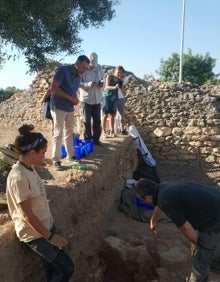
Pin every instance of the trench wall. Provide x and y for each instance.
(79, 210)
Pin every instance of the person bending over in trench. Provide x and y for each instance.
(29, 209)
(195, 209)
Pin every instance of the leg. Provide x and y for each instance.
(87, 114)
(96, 116)
(68, 134)
(121, 110)
(64, 266)
(112, 123)
(58, 265)
(203, 257)
(52, 127)
(215, 265)
(104, 120)
(58, 121)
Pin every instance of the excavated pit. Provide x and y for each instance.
(106, 245)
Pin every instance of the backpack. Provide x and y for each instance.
(127, 205)
(143, 170)
(128, 198)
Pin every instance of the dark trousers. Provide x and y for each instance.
(206, 255)
(57, 264)
(92, 113)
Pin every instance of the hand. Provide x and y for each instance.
(58, 241)
(41, 101)
(94, 84)
(154, 234)
(193, 247)
(153, 226)
(74, 100)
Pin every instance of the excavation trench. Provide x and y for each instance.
(106, 245)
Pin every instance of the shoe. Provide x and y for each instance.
(124, 132)
(113, 134)
(105, 135)
(57, 166)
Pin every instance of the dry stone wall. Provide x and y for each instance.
(177, 121)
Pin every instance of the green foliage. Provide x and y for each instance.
(196, 68)
(7, 93)
(41, 29)
(4, 166)
(148, 76)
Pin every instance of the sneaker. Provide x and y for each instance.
(105, 135)
(124, 132)
(57, 166)
(113, 134)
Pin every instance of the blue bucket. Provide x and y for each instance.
(141, 204)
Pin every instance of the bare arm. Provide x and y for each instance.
(32, 219)
(56, 89)
(108, 86)
(46, 95)
(154, 218)
(189, 232)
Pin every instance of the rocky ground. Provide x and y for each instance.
(126, 232)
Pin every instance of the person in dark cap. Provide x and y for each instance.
(195, 209)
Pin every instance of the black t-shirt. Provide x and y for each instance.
(193, 202)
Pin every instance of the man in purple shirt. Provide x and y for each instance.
(65, 84)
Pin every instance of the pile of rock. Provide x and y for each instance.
(177, 121)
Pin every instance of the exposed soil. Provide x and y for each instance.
(118, 224)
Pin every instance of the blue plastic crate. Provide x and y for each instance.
(141, 204)
(81, 148)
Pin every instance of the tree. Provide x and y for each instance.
(196, 68)
(40, 29)
(7, 93)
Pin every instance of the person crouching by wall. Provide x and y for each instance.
(29, 209)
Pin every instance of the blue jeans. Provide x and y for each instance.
(58, 265)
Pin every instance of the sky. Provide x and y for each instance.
(141, 34)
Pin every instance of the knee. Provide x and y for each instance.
(70, 267)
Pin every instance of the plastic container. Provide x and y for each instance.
(77, 142)
(141, 204)
(130, 183)
(82, 166)
(88, 146)
(79, 152)
(63, 151)
(81, 148)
